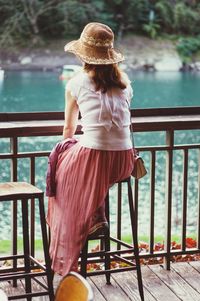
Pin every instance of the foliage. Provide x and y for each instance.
(38, 20)
(164, 10)
(20, 20)
(186, 19)
(187, 47)
(151, 29)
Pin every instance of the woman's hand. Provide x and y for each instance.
(71, 116)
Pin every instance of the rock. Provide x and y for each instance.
(191, 67)
(149, 65)
(168, 64)
(197, 66)
(26, 60)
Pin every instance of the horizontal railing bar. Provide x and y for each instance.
(165, 111)
(93, 257)
(142, 149)
(26, 124)
(10, 116)
(5, 117)
(56, 130)
(25, 155)
(172, 252)
(165, 148)
(49, 128)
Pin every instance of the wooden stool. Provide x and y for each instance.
(105, 254)
(16, 191)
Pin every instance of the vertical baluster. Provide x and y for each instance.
(14, 152)
(119, 214)
(152, 196)
(107, 208)
(168, 201)
(198, 220)
(184, 201)
(136, 201)
(32, 211)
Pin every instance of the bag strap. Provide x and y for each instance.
(131, 126)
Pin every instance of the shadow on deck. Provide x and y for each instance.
(182, 282)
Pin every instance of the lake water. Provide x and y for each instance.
(27, 91)
(43, 91)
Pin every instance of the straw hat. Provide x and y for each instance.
(95, 45)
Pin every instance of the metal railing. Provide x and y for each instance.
(168, 121)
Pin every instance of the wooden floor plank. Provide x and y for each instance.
(195, 265)
(189, 273)
(8, 288)
(182, 282)
(110, 292)
(175, 282)
(128, 283)
(97, 294)
(156, 286)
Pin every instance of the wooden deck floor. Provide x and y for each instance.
(182, 282)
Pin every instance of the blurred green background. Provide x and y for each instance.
(40, 21)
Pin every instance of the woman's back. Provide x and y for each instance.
(105, 116)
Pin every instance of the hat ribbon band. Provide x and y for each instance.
(96, 42)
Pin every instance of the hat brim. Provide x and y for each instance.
(94, 55)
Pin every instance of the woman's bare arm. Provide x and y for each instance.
(71, 116)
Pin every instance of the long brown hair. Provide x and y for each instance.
(105, 76)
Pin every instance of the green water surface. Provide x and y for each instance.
(24, 91)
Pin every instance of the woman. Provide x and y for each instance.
(102, 156)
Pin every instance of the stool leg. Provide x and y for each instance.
(135, 240)
(26, 246)
(46, 249)
(107, 239)
(107, 256)
(84, 260)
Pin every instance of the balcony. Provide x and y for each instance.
(169, 141)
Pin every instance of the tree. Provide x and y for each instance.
(20, 19)
(186, 19)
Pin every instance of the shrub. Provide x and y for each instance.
(187, 47)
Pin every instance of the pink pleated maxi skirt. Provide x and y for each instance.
(83, 177)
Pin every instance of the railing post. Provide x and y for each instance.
(14, 151)
(152, 201)
(184, 202)
(32, 211)
(198, 217)
(168, 197)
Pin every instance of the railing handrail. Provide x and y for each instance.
(51, 123)
(58, 115)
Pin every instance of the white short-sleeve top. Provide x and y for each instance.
(105, 116)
